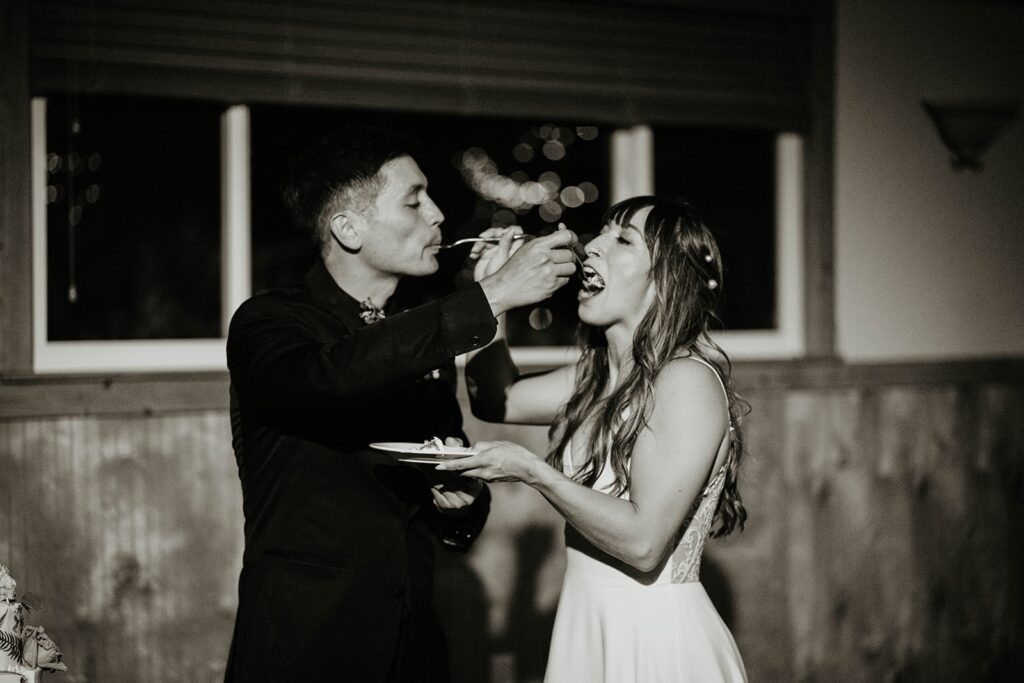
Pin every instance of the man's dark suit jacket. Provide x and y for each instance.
(338, 567)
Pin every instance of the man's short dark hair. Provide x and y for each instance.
(340, 170)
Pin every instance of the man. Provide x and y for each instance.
(338, 568)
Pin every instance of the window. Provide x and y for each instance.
(746, 185)
(143, 250)
(129, 213)
(132, 206)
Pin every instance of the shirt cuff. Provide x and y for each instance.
(467, 322)
(458, 533)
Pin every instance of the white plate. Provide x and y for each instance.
(418, 454)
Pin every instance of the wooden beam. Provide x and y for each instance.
(113, 395)
(819, 277)
(153, 394)
(15, 185)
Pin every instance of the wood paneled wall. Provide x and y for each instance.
(883, 541)
(128, 530)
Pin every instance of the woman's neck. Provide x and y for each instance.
(620, 353)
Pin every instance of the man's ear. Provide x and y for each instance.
(344, 232)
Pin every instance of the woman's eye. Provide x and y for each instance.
(414, 205)
(622, 240)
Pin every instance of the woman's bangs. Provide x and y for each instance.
(622, 212)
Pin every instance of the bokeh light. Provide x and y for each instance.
(503, 218)
(572, 196)
(541, 318)
(551, 181)
(590, 193)
(522, 152)
(553, 150)
(550, 211)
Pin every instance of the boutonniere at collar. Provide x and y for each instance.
(369, 313)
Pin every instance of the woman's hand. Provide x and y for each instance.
(498, 461)
(491, 256)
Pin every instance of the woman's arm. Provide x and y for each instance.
(671, 461)
(497, 391)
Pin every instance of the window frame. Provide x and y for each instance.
(632, 173)
(144, 355)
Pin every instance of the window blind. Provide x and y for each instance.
(609, 62)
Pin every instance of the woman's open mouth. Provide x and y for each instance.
(593, 283)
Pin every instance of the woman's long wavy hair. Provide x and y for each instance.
(688, 287)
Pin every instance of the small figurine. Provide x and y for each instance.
(7, 585)
(24, 650)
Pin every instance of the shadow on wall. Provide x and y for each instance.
(478, 656)
(716, 583)
(462, 608)
(529, 628)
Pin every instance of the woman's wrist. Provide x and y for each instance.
(539, 474)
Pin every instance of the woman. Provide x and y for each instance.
(646, 451)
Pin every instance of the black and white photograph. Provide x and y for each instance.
(543, 341)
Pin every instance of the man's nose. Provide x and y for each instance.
(432, 212)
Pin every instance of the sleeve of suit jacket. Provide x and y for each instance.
(279, 365)
(458, 531)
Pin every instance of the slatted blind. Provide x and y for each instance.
(602, 61)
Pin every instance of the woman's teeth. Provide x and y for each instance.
(592, 282)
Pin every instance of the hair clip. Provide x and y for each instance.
(709, 258)
(712, 283)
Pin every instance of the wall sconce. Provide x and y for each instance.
(968, 129)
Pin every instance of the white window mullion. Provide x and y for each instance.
(39, 246)
(632, 163)
(236, 223)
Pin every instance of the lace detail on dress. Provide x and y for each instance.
(686, 556)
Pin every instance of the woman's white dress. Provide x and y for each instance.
(617, 625)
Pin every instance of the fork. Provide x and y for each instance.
(579, 261)
(467, 240)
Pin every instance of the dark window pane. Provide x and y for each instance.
(133, 218)
(519, 151)
(728, 174)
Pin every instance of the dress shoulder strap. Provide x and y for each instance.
(711, 367)
(721, 383)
